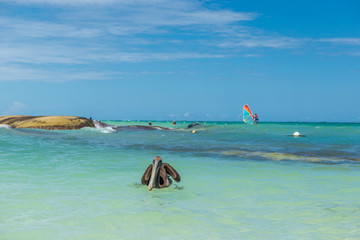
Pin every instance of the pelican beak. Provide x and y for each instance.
(154, 175)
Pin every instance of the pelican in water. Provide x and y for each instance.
(157, 174)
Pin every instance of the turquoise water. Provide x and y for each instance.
(238, 182)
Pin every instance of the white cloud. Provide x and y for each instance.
(140, 57)
(251, 55)
(61, 2)
(347, 53)
(41, 54)
(65, 54)
(120, 18)
(84, 33)
(93, 34)
(22, 73)
(146, 12)
(345, 41)
(251, 41)
(16, 108)
(187, 114)
(43, 29)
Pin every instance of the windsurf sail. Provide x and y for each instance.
(248, 117)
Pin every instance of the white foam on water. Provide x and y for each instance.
(98, 127)
(5, 126)
(106, 129)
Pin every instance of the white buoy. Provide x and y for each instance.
(296, 134)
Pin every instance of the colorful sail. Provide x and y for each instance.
(248, 117)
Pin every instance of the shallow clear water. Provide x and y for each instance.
(238, 182)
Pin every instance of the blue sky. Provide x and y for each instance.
(181, 60)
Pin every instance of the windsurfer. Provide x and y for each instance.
(256, 118)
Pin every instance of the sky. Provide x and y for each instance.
(181, 60)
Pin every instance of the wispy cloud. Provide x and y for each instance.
(43, 29)
(355, 53)
(62, 54)
(16, 108)
(251, 41)
(37, 54)
(85, 33)
(341, 46)
(346, 41)
(13, 72)
(251, 55)
(144, 12)
(61, 2)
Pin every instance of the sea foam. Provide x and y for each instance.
(5, 126)
(103, 129)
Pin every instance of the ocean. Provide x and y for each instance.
(238, 181)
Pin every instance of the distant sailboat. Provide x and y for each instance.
(248, 117)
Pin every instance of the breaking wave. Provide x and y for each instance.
(5, 126)
(102, 128)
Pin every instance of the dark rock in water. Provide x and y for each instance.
(140, 127)
(129, 127)
(192, 125)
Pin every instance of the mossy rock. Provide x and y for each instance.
(46, 122)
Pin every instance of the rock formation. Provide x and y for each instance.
(47, 122)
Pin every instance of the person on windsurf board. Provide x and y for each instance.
(248, 116)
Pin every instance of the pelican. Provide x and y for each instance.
(157, 174)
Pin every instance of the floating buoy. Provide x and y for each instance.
(194, 131)
(296, 134)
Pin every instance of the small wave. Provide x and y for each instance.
(5, 126)
(101, 128)
(106, 129)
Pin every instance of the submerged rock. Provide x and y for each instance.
(99, 124)
(47, 122)
(141, 127)
(192, 125)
